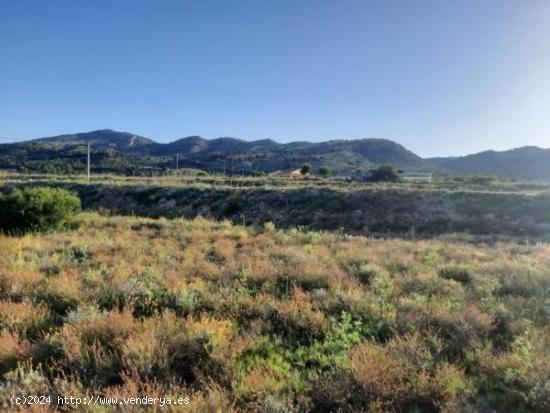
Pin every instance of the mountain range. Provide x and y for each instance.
(124, 152)
(526, 163)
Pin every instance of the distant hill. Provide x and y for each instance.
(123, 142)
(124, 152)
(128, 153)
(528, 163)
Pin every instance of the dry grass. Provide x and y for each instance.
(260, 319)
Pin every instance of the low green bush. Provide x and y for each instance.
(37, 209)
(385, 173)
(458, 274)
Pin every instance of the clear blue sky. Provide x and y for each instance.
(441, 77)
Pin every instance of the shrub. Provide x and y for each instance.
(305, 169)
(404, 376)
(37, 209)
(233, 204)
(459, 274)
(189, 360)
(384, 173)
(27, 319)
(93, 342)
(363, 271)
(505, 378)
(12, 350)
(24, 380)
(58, 302)
(146, 295)
(324, 171)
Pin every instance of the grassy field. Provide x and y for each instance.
(262, 319)
(193, 178)
(333, 297)
(481, 207)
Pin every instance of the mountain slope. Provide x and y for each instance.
(128, 153)
(125, 152)
(101, 139)
(528, 162)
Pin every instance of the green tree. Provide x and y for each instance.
(385, 173)
(305, 169)
(324, 171)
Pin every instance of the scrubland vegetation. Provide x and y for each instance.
(37, 209)
(262, 319)
(488, 208)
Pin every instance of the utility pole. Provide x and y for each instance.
(89, 143)
(177, 161)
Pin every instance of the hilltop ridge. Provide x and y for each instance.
(129, 153)
(112, 149)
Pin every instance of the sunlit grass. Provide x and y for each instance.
(259, 318)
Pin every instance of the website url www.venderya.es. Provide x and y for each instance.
(98, 401)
